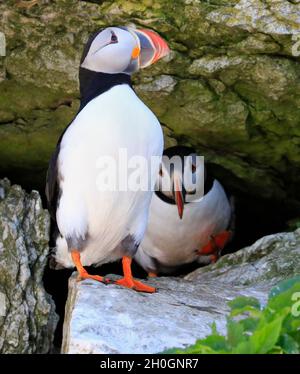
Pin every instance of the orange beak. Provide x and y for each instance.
(179, 203)
(179, 199)
(152, 47)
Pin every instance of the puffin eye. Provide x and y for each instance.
(193, 167)
(114, 38)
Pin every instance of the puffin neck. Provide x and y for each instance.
(93, 84)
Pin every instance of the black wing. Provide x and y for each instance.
(52, 180)
(52, 183)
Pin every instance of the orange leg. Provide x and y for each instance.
(83, 274)
(151, 274)
(128, 280)
(214, 258)
(215, 245)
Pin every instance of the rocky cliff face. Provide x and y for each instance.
(27, 312)
(230, 86)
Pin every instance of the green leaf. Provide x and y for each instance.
(215, 342)
(277, 350)
(245, 306)
(246, 310)
(282, 301)
(265, 338)
(244, 348)
(284, 286)
(197, 348)
(214, 330)
(201, 349)
(288, 344)
(235, 333)
(242, 302)
(249, 324)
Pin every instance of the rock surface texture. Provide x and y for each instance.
(230, 86)
(110, 319)
(27, 313)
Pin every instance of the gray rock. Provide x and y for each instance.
(109, 319)
(27, 312)
(266, 16)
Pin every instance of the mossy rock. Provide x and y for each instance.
(230, 86)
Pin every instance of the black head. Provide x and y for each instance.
(181, 176)
(112, 54)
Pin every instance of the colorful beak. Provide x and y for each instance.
(179, 198)
(152, 47)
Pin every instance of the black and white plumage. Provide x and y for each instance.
(104, 225)
(176, 232)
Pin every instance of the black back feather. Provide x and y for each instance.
(52, 188)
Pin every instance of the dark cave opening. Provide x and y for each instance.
(255, 218)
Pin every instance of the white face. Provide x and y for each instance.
(193, 174)
(164, 182)
(111, 51)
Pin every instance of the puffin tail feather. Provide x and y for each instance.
(59, 255)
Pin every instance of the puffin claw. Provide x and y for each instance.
(107, 281)
(86, 275)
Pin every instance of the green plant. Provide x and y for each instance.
(253, 329)
(293, 224)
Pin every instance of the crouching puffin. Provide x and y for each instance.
(98, 225)
(180, 232)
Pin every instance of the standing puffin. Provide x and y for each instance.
(95, 225)
(181, 232)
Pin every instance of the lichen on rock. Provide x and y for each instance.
(27, 312)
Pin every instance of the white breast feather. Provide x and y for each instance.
(116, 119)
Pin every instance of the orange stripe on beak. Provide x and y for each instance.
(160, 45)
(179, 200)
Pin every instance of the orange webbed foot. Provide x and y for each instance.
(214, 258)
(215, 245)
(222, 239)
(152, 274)
(141, 287)
(129, 282)
(135, 285)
